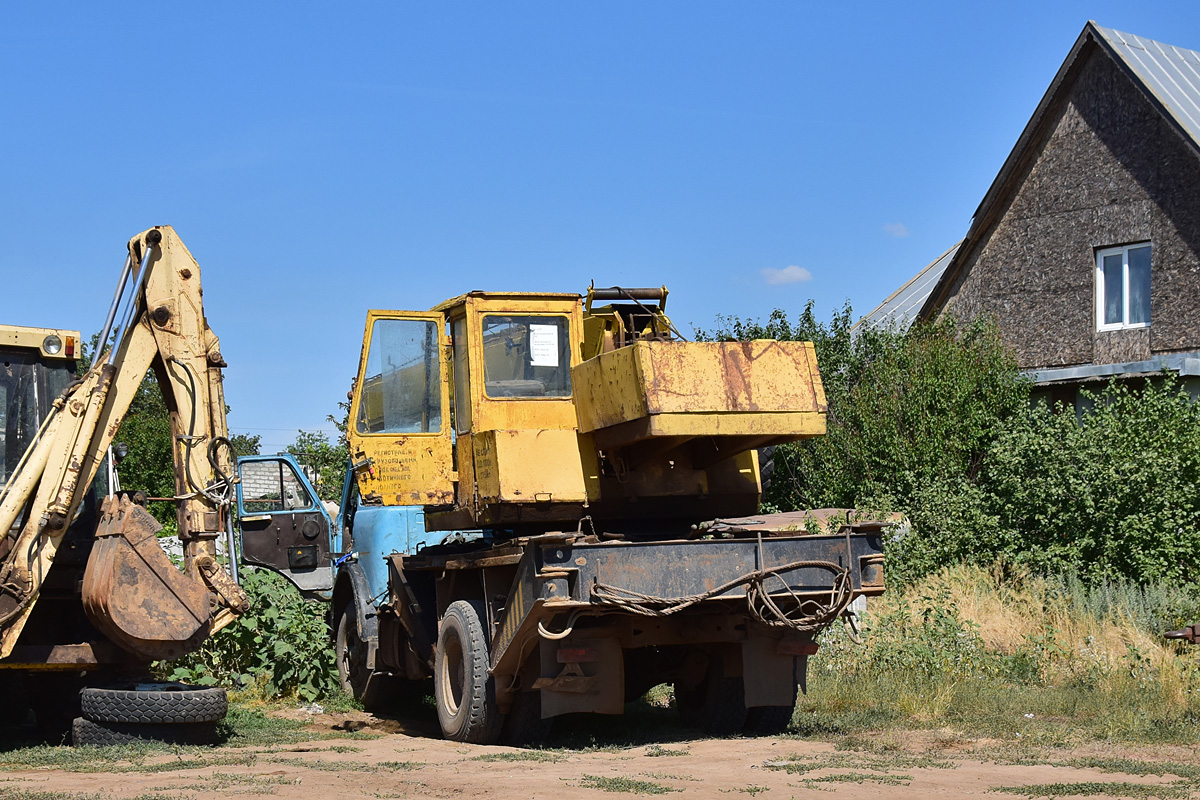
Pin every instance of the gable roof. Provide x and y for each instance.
(902, 306)
(1168, 76)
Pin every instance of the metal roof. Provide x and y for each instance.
(1185, 364)
(902, 306)
(1171, 75)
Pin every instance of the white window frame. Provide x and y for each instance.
(1123, 250)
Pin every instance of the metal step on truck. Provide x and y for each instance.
(551, 507)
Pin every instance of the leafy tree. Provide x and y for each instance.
(244, 444)
(328, 461)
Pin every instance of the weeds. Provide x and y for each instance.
(544, 756)
(800, 764)
(235, 783)
(348, 766)
(322, 765)
(123, 759)
(1131, 766)
(622, 784)
(657, 750)
(281, 646)
(1091, 788)
(884, 779)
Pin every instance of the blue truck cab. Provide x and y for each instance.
(339, 556)
(286, 527)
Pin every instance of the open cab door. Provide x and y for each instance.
(400, 442)
(284, 525)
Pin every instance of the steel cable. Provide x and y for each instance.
(806, 615)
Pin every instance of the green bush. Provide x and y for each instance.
(1114, 493)
(282, 644)
(937, 422)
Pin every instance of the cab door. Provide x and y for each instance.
(399, 431)
(284, 526)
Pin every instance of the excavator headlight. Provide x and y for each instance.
(52, 344)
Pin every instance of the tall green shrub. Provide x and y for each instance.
(1112, 493)
(281, 644)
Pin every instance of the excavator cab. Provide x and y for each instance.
(36, 364)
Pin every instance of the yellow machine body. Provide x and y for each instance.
(533, 411)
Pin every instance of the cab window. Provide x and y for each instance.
(269, 486)
(402, 384)
(526, 356)
(28, 386)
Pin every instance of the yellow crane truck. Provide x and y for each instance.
(87, 597)
(552, 506)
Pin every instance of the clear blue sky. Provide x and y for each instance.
(323, 159)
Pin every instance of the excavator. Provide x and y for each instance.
(88, 598)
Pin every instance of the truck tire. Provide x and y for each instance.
(465, 694)
(718, 705)
(523, 724)
(373, 690)
(154, 703)
(87, 733)
(769, 720)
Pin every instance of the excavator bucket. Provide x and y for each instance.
(134, 594)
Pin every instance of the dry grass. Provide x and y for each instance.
(1004, 654)
(1015, 612)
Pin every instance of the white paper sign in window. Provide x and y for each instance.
(543, 345)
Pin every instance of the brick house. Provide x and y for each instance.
(1086, 248)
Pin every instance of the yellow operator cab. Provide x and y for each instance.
(36, 364)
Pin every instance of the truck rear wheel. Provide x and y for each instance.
(464, 691)
(717, 705)
(769, 720)
(523, 724)
(373, 690)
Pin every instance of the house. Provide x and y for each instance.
(1086, 247)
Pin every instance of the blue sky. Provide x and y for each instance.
(323, 159)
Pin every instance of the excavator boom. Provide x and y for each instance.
(131, 592)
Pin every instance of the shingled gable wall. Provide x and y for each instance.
(1112, 171)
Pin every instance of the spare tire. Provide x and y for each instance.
(154, 703)
(86, 733)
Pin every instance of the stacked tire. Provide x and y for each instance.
(174, 713)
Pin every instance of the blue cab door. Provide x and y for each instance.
(283, 524)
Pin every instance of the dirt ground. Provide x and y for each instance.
(407, 760)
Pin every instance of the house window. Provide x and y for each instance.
(1123, 287)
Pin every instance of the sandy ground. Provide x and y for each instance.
(412, 763)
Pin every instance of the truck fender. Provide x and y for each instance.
(350, 586)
